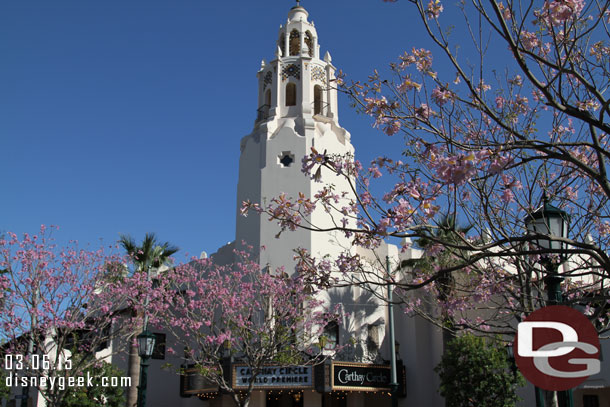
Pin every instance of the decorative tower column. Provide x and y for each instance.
(297, 111)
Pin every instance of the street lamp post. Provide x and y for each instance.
(394, 381)
(549, 224)
(146, 346)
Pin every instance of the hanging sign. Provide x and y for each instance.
(365, 377)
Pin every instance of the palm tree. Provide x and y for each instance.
(149, 255)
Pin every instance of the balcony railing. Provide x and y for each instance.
(323, 108)
(262, 113)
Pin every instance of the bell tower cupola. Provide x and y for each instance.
(297, 82)
(298, 37)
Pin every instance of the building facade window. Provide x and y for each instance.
(331, 335)
(590, 400)
(372, 339)
(159, 351)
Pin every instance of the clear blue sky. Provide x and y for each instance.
(126, 116)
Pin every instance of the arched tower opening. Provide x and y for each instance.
(309, 42)
(291, 94)
(317, 99)
(268, 98)
(295, 43)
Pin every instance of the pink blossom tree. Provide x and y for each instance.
(242, 313)
(519, 113)
(60, 306)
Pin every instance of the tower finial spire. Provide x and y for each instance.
(298, 3)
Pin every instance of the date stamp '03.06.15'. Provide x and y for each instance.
(34, 370)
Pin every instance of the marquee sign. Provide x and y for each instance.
(274, 377)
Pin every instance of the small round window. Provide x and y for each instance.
(286, 159)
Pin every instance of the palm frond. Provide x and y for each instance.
(149, 254)
(128, 243)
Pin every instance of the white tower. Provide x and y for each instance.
(297, 110)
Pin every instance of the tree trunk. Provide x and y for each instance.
(133, 370)
(240, 402)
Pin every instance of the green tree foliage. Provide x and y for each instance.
(97, 395)
(4, 389)
(475, 371)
